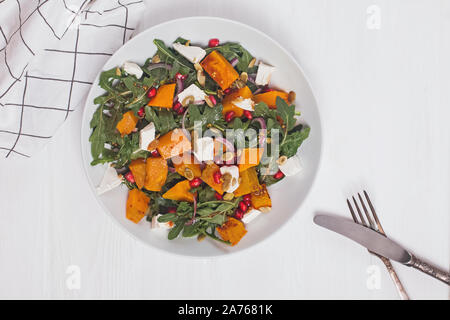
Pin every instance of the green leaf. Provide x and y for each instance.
(167, 217)
(175, 231)
(293, 141)
(170, 56)
(191, 230)
(286, 112)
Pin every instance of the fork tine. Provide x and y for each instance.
(371, 223)
(380, 228)
(359, 212)
(352, 212)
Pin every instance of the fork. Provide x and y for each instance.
(375, 225)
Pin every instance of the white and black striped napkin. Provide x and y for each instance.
(50, 53)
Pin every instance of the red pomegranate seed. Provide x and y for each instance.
(180, 110)
(248, 203)
(180, 76)
(152, 92)
(248, 115)
(247, 197)
(227, 91)
(213, 43)
(141, 112)
(194, 183)
(213, 99)
(278, 175)
(129, 176)
(243, 206)
(154, 153)
(171, 210)
(216, 176)
(176, 106)
(229, 116)
(218, 196)
(239, 214)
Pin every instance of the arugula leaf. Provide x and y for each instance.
(293, 141)
(170, 56)
(262, 110)
(175, 231)
(286, 112)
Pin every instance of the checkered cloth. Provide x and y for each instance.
(50, 53)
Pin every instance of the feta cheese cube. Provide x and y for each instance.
(192, 53)
(204, 148)
(250, 215)
(132, 69)
(110, 181)
(160, 225)
(246, 104)
(234, 172)
(146, 135)
(264, 73)
(292, 166)
(194, 91)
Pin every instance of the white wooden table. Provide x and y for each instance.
(380, 73)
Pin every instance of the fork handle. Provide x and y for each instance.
(398, 284)
(429, 269)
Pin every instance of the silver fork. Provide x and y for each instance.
(375, 225)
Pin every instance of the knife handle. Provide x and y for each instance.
(429, 269)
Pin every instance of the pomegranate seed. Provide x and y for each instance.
(194, 183)
(154, 153)
(227, 91)
(243, 206)
(229, 116)
(176, 106)
(267, 89)
(248, 203)
(180, 110)
(213, 43)
(216, 176)
(171, 210)
(180, 76)
(218, 196)
(213, 99)
(247, 197)
(278, 175)
(239, 214)
(248, 115)
(152, 92)
(129, 176)
(141, 112)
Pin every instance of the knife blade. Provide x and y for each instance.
(365, 236)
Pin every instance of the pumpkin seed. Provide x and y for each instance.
(244, 77)
(238, 84)
(209, 102)
(198, 67)
(188, 174)
(187, 100)
(220, 93)
(228, 196)
(187, 43)
(201, 237)
(201, 78)
(252, 63)
(156, 59)
(265, 209)
(118, 72)
(226, 181)
(282, 160)
(291, 96)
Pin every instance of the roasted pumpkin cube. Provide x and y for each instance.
(180, 192)
(127, 124)
(173, 144)
(261, 198)
(186, 166)
(156, 170)
(137, 205)
(219, 69)
(164, 96)
(270, 97)
(137, 168)
(232, 230)
(227, 101)
(208, 177)
(249, 182)
(250, 157)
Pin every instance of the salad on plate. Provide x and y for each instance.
(197, 134)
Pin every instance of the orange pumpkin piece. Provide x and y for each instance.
(152, 145)
(208, 177)
(232, 230)
(261, 198)
(137, 168)
(270, 97)
(137, 205)
(156, 170)
(219, 69)
(227, 102)
(173, 144)
(249, 182)
(164, 96)
(127, 124)
(185, 163)
(250, 157)
(180, 192)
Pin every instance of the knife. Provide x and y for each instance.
(378, 243)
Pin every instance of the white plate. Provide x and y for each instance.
(287, 196)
